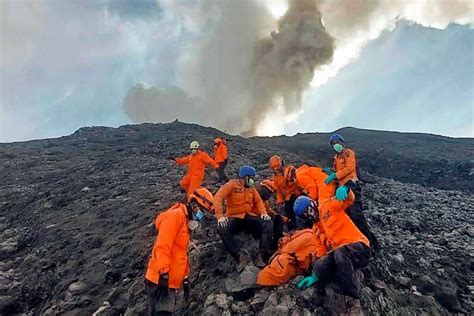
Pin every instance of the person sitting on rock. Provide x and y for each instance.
(286, 190)
(349, 248)
(168, 266)
(346, 173)
(246, 212)
(196, 162)
(221, 158)
(266, 190)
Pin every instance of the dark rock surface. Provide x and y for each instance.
(430, 160)
(76, 219)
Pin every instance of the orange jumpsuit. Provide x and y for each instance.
(345, 165)
(195, 174)
(220, 152)
(338, 228)
(240, 201)
(169, 254)
(311, 181)
(294, 256)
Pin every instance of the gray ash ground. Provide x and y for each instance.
(76, 229)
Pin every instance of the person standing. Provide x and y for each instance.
(345, 173)
(221, 158)
(196, 163)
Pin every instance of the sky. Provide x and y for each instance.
(69, 64)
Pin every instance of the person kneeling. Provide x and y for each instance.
(350, 249)
(168, 268)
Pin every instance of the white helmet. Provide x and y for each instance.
(194, 145)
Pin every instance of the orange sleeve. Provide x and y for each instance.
(309, 186)
(165, 240)
(219, 198)
(183, 160)
(261, 209)
(280, 198)
(209, 161)
(349, 167)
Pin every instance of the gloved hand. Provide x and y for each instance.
(265, 217)
(186, 288)
(308, 281)
(170, 158)
(222, 222)
(342, 193)
(163, 283)
(330, 178)
(328, 170)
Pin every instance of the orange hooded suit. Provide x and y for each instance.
(195, 174)
(169, 254)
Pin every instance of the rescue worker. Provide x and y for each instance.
(246, 212)
(286, 188)
(266, 190)
(345, 172)
(168, 266)
(196, 162)
(296, 252)
(350, 248)
(221, 158)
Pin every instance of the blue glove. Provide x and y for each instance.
(330, 178)
(342, 193)
(308, 281)
(328, 170)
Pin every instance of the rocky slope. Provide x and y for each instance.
(76, 219)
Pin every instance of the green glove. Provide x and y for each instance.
(342, 193)
(308, 281)
(330, 178)
(328, 170)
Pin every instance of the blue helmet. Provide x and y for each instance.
(301, 205)
(335, 137)
(247, 171)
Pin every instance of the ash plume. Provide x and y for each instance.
(241, 67)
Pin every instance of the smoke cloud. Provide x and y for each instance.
(355, 23)
(244, 71)
(236, 73)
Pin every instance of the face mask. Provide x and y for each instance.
(198, 216)
(338, 148)
(250, 183)
(192, 225)
(193, 151)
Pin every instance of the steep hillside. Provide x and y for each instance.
(425, 159)
(76, 219)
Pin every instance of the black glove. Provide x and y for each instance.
(163, 283)
(170, 158)
(186, 288)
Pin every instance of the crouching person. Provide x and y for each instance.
(296, 252)
(168, 266)
(350, 249)
(245, 212)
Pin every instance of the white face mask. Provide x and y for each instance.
(193, 151)
(192, 225)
